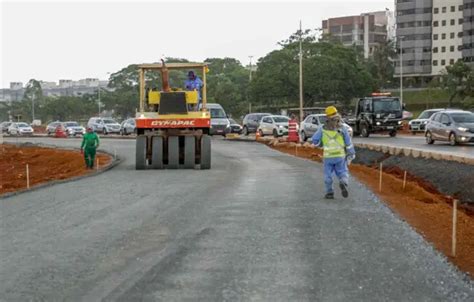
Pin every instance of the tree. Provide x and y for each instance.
(457, 79)
(380, 64)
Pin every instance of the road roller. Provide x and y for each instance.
(172, 124)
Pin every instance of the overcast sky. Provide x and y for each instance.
(73, 40)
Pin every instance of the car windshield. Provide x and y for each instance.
(217, 113)
(72, 124)
(280, 119)
(23, 125)
(323, 119)
(387, 105)
(109, 121)
(463, 117)
(426, 114)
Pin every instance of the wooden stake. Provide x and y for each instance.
(296, 150)
(97, 166)
(404, 180)
(27, 176)
(380, 178)
(455, 221)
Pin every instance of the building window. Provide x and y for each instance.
(443, 49)
(461, 8)
(435, 24)
(443, 62)
(453, 22)
(435, 50)
(452, 35)
(451, 62)
(443, 23)
(435, 37)
(443, 36)
(453, 9)
(443, 9)
(451, 48)
(436, 10)
(435, 63)
(460, 34)
(461, 21)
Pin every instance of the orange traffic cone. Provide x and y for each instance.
(257, 135)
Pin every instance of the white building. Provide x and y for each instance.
(447, 34)
(16, 85)
(65, 83)
(47, 85)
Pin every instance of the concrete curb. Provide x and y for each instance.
(416, 153)
(115, 161)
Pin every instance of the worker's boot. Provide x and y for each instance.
(344, 191)
(329, 195)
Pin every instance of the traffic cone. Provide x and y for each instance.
(60, 133)
(257, 135)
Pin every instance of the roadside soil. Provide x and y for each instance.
(45, 164)
(421, 204)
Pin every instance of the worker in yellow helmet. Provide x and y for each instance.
(336, 142)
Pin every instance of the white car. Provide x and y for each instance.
(276, 125)
(20, 129)
(419, 124)
(73, 128)
(105, 125)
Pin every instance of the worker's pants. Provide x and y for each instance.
(89, 156)
(338, 166)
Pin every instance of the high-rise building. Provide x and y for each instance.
(414, 38)
(366, 30)
(468, 31)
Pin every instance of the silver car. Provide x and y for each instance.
(51, 128)
(419, 124)
(276, 125)
(20, 129)
(127, 127)
(73, 128)
(312, 123)
(454, 126)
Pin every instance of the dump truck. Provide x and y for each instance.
(172, 130)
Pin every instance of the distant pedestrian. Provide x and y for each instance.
(90, 143)
(336, 142)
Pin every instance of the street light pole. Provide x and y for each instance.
(250, 68)
(301, 74)
(401, 69)
(98, 102)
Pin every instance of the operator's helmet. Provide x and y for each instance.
(331, 111)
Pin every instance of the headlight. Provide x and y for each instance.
(399, 122)
(378, 123)
(409, 123)
(462, 129)
(280, 126)
(425, 122)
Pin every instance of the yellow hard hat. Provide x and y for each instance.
(330, 111)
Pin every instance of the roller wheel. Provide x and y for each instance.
(157, 152)
(173, 152)
(205, 152)
(189, 152)
(140, 153)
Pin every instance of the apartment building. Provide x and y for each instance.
(468, 32)
(447, 34)
(367, 30)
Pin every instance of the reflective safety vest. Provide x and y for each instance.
(333, 144)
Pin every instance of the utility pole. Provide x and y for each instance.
(401, 69)
(32, 107)
(301, 73)
(250, 68)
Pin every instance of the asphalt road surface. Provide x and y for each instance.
(253, 228)
(418, 142)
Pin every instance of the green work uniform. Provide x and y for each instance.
(90, 142)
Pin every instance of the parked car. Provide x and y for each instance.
(105, 125)
(251, 122)
(235, 127)
(276, 125)
(20, 129)
(127, 127)
(312, 123)
(73, 128)
(51, 128)
(4, 126)
(419, 124)
(454, 126)
(220, 124)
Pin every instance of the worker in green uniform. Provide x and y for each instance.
(90, 143)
